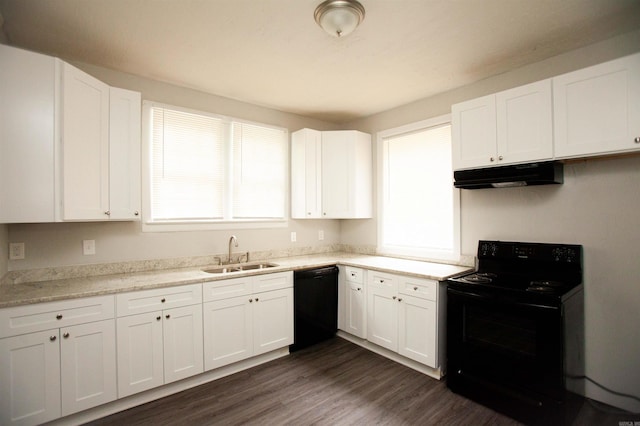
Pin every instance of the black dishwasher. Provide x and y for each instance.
(315, 300)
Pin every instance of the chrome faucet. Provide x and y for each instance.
(231, 241)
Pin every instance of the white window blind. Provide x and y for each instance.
(419, 202)
(205, 168)
(259, 166)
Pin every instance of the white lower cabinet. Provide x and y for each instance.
(352, 301)
(248, 316)
(50, 372)
(159, 346)
(402, 316)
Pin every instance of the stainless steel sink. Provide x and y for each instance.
(238, 268)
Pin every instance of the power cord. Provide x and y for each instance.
(608, 390)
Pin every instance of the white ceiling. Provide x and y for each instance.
(272, 53)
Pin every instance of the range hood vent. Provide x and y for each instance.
(546, 173)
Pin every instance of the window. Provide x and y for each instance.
(419, 207)
(203, 170)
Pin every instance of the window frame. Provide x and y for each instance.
(411, 252)
(148, 225)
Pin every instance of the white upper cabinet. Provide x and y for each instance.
(331, 174)
(513, 126)
(597, 109)
(27, 136)
(69, 143)
(85, 146)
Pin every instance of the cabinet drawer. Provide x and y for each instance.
(226, 289)
(272, 281)
(162, 298)
(43, 316)
(382, 280)
(354, 275)
(424, 289)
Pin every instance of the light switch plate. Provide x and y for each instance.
(321, 235)
(294, 237)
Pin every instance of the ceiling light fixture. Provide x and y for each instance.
(339, 17)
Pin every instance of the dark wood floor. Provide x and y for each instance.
(332, 383)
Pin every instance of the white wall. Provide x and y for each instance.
(60, 244)
(596, 206)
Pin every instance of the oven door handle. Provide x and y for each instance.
(500, 299)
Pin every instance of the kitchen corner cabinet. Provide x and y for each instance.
(56, 359)
(28, 118)
(402, 316)
(513, 126)
(159, 337)
(246, 316)
(331, 174)
(100, 149)
(69, 143)
(597, 109)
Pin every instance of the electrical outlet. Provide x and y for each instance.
(88, 247)
(321, 235)
(294, 237)
(16, 251)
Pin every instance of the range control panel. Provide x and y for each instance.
(561, 253)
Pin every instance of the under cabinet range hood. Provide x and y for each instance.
(545, 173)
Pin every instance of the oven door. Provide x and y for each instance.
(503, 345)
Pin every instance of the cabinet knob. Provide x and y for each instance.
(492, 159)
(324, 214)
(136, 213)
(415, 289)
(400, 300)
(250, 300)
(257, 299)
(394, 297)
(158, 318)
(59, 316)
(637, 140)
(66, 335)
(108, 213)
(359, 288)
(53, 338)
(163, 300)
(308, 213)
(167, 316)
(500, 157)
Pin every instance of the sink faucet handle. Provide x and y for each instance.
(218, 259)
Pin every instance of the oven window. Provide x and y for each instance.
(500, 331)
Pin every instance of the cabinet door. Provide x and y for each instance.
(124, 154)
(140, 353)
(228, 331)
(382, 310)
(272, 320)
(474, 133)
(182, 342)
(27, 136)
(30, 378)
(596, 109)
(85, 146)
(417, 329)
(306, 183)
(355, 314)
(88, 365)
(346, 174)
(524, 117)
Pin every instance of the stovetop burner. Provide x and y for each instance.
(479, 277)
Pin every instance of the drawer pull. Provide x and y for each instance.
(415, 288)
(167, 316)
(65, 335)
(359, 289)
(394, 297)
(53, 338)
(158, 318)
(163, 300)
(400, 299)
(59, 316)
(250, 300)
(257, 299)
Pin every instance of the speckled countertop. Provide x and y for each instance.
(69, 288)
